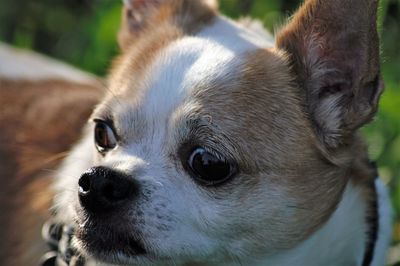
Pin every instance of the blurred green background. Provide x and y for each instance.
(82, 32)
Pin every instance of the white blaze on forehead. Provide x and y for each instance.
(183, 66)
(235, 37)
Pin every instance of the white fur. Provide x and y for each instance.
(18, 64)
(181, 68)
(328, 114)
(78, 161)
(385, 224)
(234, 36)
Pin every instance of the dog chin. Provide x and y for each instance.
(105, 245)
(109, 244)
(130, 254)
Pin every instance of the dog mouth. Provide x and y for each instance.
(108, 244)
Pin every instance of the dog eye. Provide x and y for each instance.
(208, 168)
(104, 137)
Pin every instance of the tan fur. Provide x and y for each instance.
(129, 69)
(333, 60)
(141, 18)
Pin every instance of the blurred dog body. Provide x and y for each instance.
(44, 105)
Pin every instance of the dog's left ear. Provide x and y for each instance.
(141, 15)
(334, 49)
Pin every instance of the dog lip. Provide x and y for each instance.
(104, 248)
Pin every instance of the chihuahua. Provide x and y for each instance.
(216, 144)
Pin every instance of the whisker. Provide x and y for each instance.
(298, 207)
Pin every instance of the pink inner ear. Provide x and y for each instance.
(137, 10)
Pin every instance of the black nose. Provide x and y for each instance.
(103, 189)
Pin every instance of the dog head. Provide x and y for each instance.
(214, 144)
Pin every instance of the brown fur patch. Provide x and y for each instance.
(40, 121)
(129, 68)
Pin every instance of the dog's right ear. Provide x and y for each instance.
(333, 47)
(138, 16)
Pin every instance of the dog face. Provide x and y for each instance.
(214, 145)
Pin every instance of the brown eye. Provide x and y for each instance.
(208, 168)
(104, 137)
